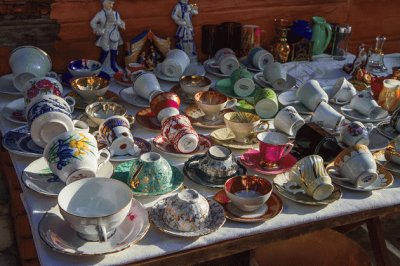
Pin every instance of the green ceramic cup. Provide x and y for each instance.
(266, 103)
(243, 84)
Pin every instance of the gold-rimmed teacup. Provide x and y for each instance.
(244, 125)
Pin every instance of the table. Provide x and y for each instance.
(157, 247)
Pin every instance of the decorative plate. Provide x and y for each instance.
(148, 119)
(388, 165)
(272, 208)
(162, 144)
(7, 86)
(282, 179)
(123, 173)
(129, 96)
(213, 70)
(81, 104)
(196, 116)
(385, 179)
(354, 115)
(19, 141)
(216, 219)
(262, 82)
(225, 137)
(192, 69)
(225, 87)
(38, 177)
(59, 236)
(14, 111)
(387, 130)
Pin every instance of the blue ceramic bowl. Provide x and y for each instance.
(84, 68)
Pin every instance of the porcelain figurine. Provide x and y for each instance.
(106, 24)
(182, 15)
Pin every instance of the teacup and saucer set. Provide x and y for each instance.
(273, 156)
(308, 183)
(275, 75)
(88, 220)
(257, 59)
(240, 131)
(210, 109)
(187, 214)
(390, 129)
(189, 86)
(239, 85)
(342, 92)
(249, 199)
(355, 168)
(214, 167)
(389, 158)
(223, 64)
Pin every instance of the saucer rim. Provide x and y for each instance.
(16, 92)
(380, 127)
(208, 69)
(197, 123)
(20, 152)
(77, 106)
(382, 163)
(6, 111)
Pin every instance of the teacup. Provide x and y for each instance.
(178, 131)
(244, 125)
(364, 103)
(42, 86)
(175, 63)
(115, 131)
(310, 174)
(73, 155)
(100, 111)
(266, 103)
(311, 94)
(260, 57)
(356, 165)
(95, 207)
(356, 133)
(150, 173)
(273, 147)
(84, 68)
(343, 91)
(392, 152)
(146, 85)
(164, 105)
(90, 88)
(194, 84)
(327, 117)
(186, 211)
(243, 84)
(288, 120)
(212, 103)
(248, 193)
(276, 74)
(226, 61)
(395, 120)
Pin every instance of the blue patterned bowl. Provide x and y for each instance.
(84, 68)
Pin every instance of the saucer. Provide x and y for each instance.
(19, 141)
(225, 137)
(388, 165)
(129, 96)
(118, 78)
(199, 177)
(59, 236)
(385, 179)
(123, 173)
(81, 104)
(213, 70)
(38, 177)
(215, 219)
(272, 208)
(225, 87)
(196, 116)
(141, 146)
(387, 130)
(354, 115)
(377, 141)
(14, 111)
(262, 82)
(185, 98)
(162, 144)
(192, 69)
(282, 179)
(243, 61)
(7, 86)
(148, 119)
(251, 159)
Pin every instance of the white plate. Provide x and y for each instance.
(354, 115)
(7, 86)
(15, 111)
(38, 177)
(213, 70)
(261, 81)
(129, 96)
(193, 69)
(18, 141)
(59, 236)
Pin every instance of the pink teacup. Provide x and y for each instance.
(273, 147)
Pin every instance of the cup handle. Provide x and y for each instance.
(192, 165)
(288, 149)
(106, 158)
(53, 75)
(241, 169)
(292, 188)
(71, 102)
(333, 173)
(130, 119)
(230, 104)
(81, 126)
(101, 229)
(369, 127)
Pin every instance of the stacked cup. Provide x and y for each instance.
(179, 132)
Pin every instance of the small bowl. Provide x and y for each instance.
(100, 111)
(248, 193)
(90, 88)
(84, 68)
(186, 211)
(95, 205)
(194, 84)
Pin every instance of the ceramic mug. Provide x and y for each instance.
(311, 94)
(178, 131)
(356, 165)
(115, 131)
(73, 155)
(356, 133)
(164, 105)
(146, 85)
(310, 174)
(212, 103)
(243, 84)
(364, 103)
(273, 147)
(327, 117)
(266, 103)
(288, 120)
(244, 125)
(395, 120)
(260, 57)
(275, 74)
(175, 63)
(225, 60)
(343, 91)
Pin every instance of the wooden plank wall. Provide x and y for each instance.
(368, 18)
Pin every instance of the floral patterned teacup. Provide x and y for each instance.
(180, 133)
(356, 133)
(41, 86)
(74, 155)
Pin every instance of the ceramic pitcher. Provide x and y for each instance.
(321, 35)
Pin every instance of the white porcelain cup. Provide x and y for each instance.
(275, 74)
(73, 155)
(288, 120)
(343, 91)
(226, 61)
(260, 57)
(175, 63)
(311, 94)
(364, 103)
(356, 133)
(94, 207)
(146, 85)
(327, 117)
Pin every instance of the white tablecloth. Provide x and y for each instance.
(156, 243)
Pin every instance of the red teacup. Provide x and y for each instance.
(164, 105)
(180, 134)
(273, 147)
